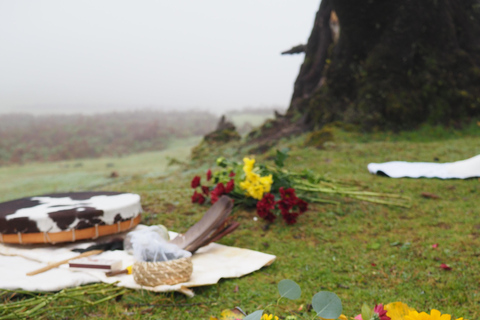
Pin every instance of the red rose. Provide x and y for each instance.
(265, 206)
(195, 182)
(267, 202)
(270, 217)
(232, 174)
(290, 218)
(288, 193)
(205, 190)
(285, 205)
(195, 197)
(302, 205)
(220, 188)
(201, 198)
(209, 175)
(213, 197)
(288, 199)
(217, 192)
(230, 186)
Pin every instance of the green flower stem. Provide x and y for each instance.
(313, 187)
(347, 192)
(364, 195)
(318, 200)
(380, 201)
(37, 305)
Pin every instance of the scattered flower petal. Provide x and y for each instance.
(445, 267)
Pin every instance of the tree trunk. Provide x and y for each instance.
(397, 64)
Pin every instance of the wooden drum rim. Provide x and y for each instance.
(70, 235)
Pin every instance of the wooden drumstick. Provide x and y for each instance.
(59, 263)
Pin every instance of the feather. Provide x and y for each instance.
(210, 222)
(217, 235)
(114, 244)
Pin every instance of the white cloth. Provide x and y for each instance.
(210, 264)
(464, 169)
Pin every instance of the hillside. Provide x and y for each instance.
(26, 138)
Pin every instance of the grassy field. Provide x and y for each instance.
(364, 252)
(86, 174)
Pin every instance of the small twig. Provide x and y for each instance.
(129, 305)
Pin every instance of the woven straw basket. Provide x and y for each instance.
(171, 272)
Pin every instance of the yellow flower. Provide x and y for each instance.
(397, 310)
(255, 191)
(266, 182)
(255, 185)
(434, 315)
(269, 317)
(248, 167)
(252, 177)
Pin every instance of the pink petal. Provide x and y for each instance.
(435, 245)
(445, 267)
(359, 317)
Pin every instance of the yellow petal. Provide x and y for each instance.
(397, 310)
(412, 315)
(249, 163)
(232, 314)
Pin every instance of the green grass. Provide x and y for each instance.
(361, 251)
(86, 174)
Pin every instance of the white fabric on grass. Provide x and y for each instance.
(210, 264)
(464, 169)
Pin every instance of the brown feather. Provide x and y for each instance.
(217, 235)
(213, 218)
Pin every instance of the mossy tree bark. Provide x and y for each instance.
(396, 64)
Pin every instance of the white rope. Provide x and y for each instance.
(19, 237)
(73, 235)
(47, 235)
(118, 227)
(131, 223)
(96, 231)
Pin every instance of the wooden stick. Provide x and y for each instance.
(56, 264)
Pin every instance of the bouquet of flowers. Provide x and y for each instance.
(275, 191)
(250, 185)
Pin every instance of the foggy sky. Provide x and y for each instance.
(104, 55)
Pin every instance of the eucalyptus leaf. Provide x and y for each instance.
(257, 315)
(289, 289)
(327, 305)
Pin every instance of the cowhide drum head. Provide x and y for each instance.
(64, 217)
